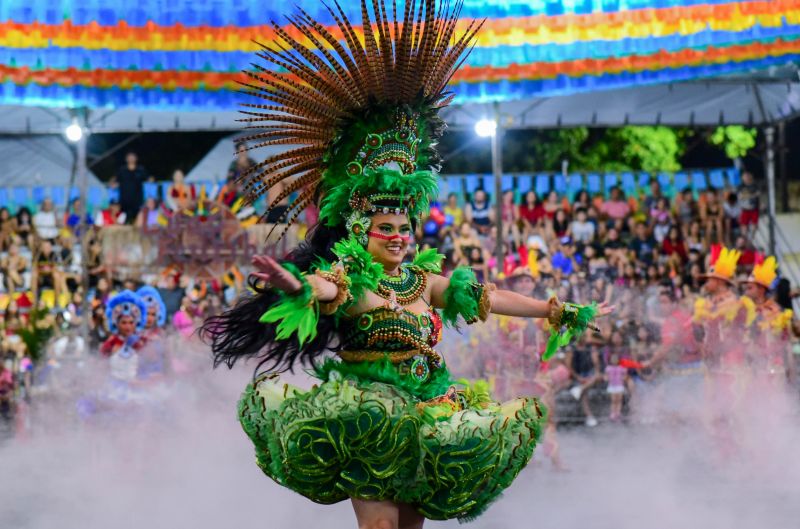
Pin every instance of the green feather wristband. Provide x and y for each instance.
(575, 319)
(297, 313)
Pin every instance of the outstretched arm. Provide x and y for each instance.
(273, 274)
(508, 303)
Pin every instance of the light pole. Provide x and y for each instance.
(491, 128)
(771, 186)
(77, 132)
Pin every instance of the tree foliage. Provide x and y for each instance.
(630, 148)
(735, 140)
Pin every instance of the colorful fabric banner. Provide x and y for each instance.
(189, 55)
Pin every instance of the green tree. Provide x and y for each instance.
(735, 140)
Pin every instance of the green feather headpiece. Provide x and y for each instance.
(359, 116)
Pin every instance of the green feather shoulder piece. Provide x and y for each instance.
(429, 260)
(363, 272)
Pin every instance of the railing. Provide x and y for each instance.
(542, 183)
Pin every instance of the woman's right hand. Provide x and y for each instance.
(274, 275)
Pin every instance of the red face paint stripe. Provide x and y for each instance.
(404, 238)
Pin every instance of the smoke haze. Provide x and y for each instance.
(190, 465)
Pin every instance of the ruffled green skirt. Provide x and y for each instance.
(370, 433)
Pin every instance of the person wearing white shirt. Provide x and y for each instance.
(45, 221)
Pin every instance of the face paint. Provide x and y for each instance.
(396, 236)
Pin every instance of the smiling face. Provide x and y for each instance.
(390, 243)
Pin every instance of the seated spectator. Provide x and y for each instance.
(654, 196)
(582, 200)
(13, 267)
(8, 228)
(180, 195)
(686, 208)
(712, 216)
(454, 210)
(510, 212)
(733, 212)
(45, 221)
(24, 226)
(581, 230)
(560, 224)
(531, 213)
(695, 240)
(674, 246)
(552, 204)
(95, 263)
(69, 269)
(229, 193)
(149, 216)
(111, 216)
(72, 219)
(241, 164)
(748, 194)
(643, 246)
(616, 207)
(479, 212)
(46, 273)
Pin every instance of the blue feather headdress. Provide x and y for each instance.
(126, 303)
(151, 298)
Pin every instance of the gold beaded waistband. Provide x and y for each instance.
(394, 357)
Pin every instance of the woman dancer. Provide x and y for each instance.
(387, 427)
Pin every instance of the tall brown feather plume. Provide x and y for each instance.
(311, 87)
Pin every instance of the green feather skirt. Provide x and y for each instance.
(371, 433)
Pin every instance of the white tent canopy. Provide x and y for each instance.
(715, 102)
(37, 161)
(214, 165)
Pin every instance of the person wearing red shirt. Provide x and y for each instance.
(673, 244)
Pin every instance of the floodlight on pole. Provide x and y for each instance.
(486, 128)
(74, 132)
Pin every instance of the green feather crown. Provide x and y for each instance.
(348, 103)
(379, 190)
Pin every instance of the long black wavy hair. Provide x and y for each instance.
(236, 334)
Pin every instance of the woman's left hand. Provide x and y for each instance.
(604, 309)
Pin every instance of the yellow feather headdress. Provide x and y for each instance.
(723, 262)
(765, 272)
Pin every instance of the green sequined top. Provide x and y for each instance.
(397, 334)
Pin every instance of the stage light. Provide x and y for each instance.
(74, 132)
(485, 128)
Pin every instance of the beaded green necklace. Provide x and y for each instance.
(407, 287)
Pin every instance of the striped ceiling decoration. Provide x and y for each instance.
(188, 54)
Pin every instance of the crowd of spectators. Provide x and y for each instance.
(645, 254)
(42, 265)
(636, 252)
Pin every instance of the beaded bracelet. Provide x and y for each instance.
(555, 317)
(485, 301)
(338, 277)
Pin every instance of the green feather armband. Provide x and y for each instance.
(571, 322)
(296, 313)
(466, 297)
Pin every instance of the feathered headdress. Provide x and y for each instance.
(764, 272)
(359, 109)
(152, 298)
(723, 262)
(126, 303)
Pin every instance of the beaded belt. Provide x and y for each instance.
(424, 351)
